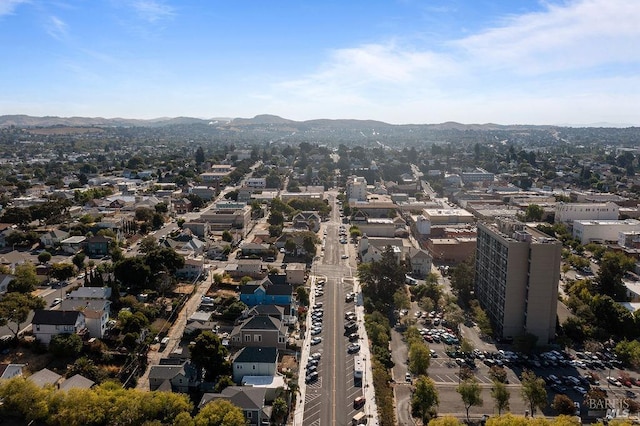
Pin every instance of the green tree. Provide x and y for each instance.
(63, 271)
(226, 236)
(380, 280)
(199, 156)
(208, 353)
(303, 296)
(500, 395)
(220, 413)
(65, 345)
(533, 213)
(612, 269)
(26, 279)
(469, 391)
(24, 399)
(279, 410)
(44, 256)
(419, 358)
(132, 272)
(15, 308)
(563, 405)
(78, 260)
(401, 299)
(534, 391)
(424, 399)
(462, 280)
(498, 374)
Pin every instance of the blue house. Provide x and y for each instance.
(265, 292)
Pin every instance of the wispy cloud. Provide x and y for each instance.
(7, 7)
(153, 11)
(560, 50)
(587, 33)
(56, 28)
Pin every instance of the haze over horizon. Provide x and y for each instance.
(572, 62)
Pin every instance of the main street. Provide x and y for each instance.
(329, 400)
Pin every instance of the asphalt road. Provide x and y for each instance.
(329, 401)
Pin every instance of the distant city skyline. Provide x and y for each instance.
(571, 62)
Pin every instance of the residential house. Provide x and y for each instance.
(73, 245)
(307, 220)
(53, 238)
(45, 377)
(254, 249)
(5, 279)
(174, 376)
(420, 261)
(245, 268)
(88, 293)
(262, 331)
(199, 229)
(8, 371)
(251, 400)
(96, 313)
(182, 205)
(264, 292)
(77, 381)
(192, 269)
(254, 361)
(97, 246)
(186, 242)
(46, 324)
(5, 230)
(296, 273)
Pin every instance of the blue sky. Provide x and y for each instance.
(403, 61)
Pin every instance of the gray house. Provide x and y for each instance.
(254, 361)
(249, 399)
(262, 331)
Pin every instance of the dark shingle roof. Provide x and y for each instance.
(256, 354)
(279, 290)
(261, 323)
(42, 316)
(248, 288)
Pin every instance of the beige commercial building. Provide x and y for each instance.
(517, 274)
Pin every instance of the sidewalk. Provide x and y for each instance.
(370, 407)
(298, 415)
(175, 332)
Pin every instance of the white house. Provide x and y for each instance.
(53, 237)
(95, 311)
(46, 324)
(254, 361)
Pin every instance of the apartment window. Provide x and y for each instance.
(257, 338)
(247, 338)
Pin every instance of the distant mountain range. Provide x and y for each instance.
(258, 120)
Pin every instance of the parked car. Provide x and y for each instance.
(316, 340)
(353, 348)
(310, 378)
(358, 402)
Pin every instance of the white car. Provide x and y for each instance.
(56, 301)
(345, 256)
(316, 340)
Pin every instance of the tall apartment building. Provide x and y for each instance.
(517, 274)
(357, 188)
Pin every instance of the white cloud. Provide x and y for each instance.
(586, 33)
(580, 57)
(56, 27)
(7, 7)
(152, 11)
